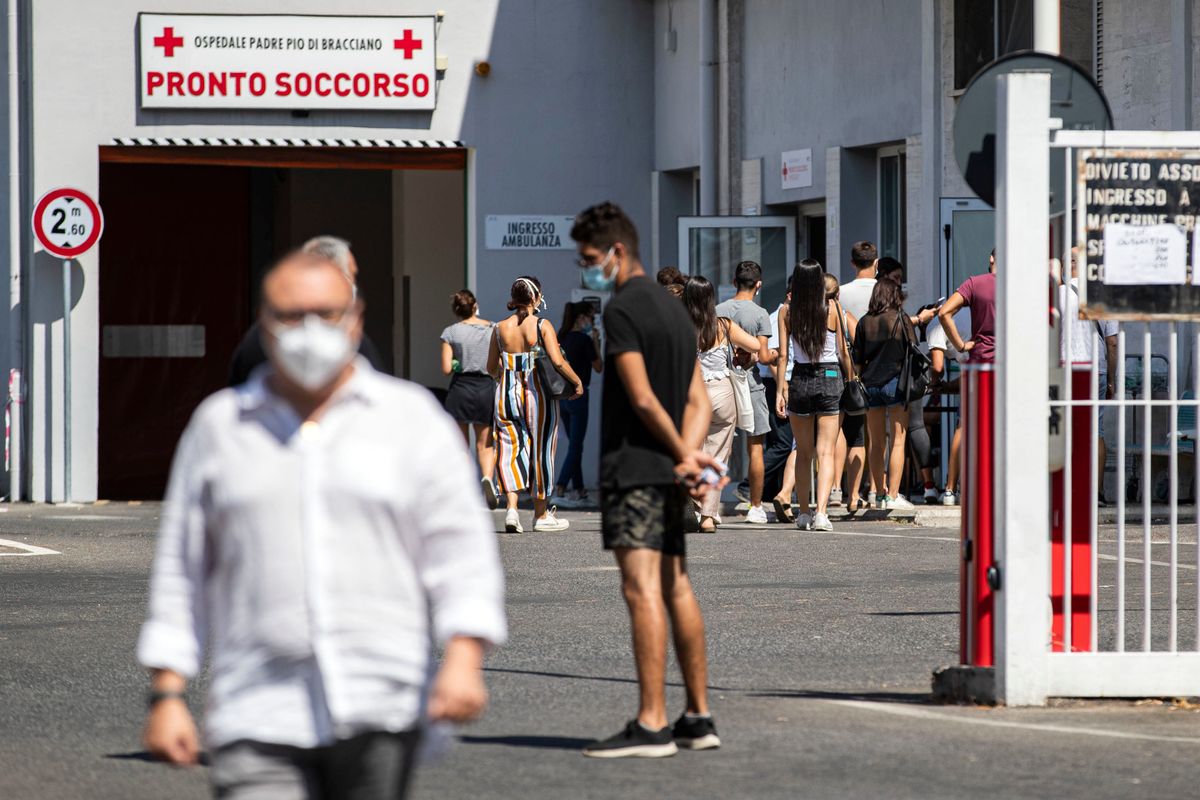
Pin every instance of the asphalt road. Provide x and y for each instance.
(821, 648)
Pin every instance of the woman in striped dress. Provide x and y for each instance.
(526, 426)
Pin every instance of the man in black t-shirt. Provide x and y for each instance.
(655, 414)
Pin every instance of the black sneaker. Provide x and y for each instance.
(634, 742)
(696, 734)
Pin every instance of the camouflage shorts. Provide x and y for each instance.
(645, 516)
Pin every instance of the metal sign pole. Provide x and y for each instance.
(66, 380)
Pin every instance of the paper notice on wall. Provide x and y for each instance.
(1144, 254)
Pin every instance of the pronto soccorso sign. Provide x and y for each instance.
(291, 62)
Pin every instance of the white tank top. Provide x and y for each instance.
(828, 350)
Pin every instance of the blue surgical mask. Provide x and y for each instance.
(594, 277)
(587, 328)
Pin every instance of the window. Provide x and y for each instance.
(984, 30)
(891, 203)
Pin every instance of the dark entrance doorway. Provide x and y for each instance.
(174, 300)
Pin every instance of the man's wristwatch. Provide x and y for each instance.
(154, 697)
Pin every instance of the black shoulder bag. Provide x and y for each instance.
(552, 380)
(915, 369)
(854, 394)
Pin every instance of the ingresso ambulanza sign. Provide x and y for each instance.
(292, 62)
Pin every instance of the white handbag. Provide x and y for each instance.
(741, 392)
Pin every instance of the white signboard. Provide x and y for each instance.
(1144, 254)
(528, 232)
(796, 169)
(292, 62)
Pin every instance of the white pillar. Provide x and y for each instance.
(1045, 26)
(1022, 403)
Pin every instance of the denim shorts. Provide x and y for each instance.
(815, 390)
(884, 396)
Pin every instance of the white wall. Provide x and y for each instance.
(429, 211)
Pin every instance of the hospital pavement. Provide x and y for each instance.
(820, 646)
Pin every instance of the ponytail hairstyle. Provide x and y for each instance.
(526, 291)
(832, 288)
(808, 312)
(701, 303)
(463, 303)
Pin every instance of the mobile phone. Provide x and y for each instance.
(710, 476)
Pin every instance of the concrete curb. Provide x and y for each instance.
(965, 685)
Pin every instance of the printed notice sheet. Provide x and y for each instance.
(1144, 254)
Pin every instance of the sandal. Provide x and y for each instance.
(783, 511)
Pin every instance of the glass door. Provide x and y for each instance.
(714, 246)
(969, 234)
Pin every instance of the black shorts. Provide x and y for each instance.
(853, 428)
(472, 398)
(815, 390)
(645, 516)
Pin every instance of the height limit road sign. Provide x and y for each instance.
(67, 222)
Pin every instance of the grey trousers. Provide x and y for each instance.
(370, 766)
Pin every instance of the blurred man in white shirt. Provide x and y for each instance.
(314, 532)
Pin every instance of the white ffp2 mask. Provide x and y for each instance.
(313, 352)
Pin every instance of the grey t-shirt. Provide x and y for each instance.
(470, 344)
(750, 317)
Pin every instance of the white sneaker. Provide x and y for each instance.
(949, 498)
(512, 522)
(820, 522)
(489, 493)
(878, 501)
(835, 497)
(550, 523)
(871, 497)
(931, 496)
(757, 515)
(899, 503)
(804, 522)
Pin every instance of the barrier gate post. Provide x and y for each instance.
(978, 516)
(1083, 464)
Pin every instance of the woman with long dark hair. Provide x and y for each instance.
(465, 346)
(879, 352)
(715, 339)
(810, 331)
(526, 414)
(580, 342)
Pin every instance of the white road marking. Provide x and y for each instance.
(30, 549)
(89, 517)
(888, 535)
(1107, 557)
(922, 713)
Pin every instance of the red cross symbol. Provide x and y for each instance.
(408, 44)
(168, 42)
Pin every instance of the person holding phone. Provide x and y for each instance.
(655, 416)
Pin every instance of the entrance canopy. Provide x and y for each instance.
(278, 152)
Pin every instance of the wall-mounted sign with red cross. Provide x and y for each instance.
(244, 61)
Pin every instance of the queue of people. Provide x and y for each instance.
(847, 382)
(791, 368)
